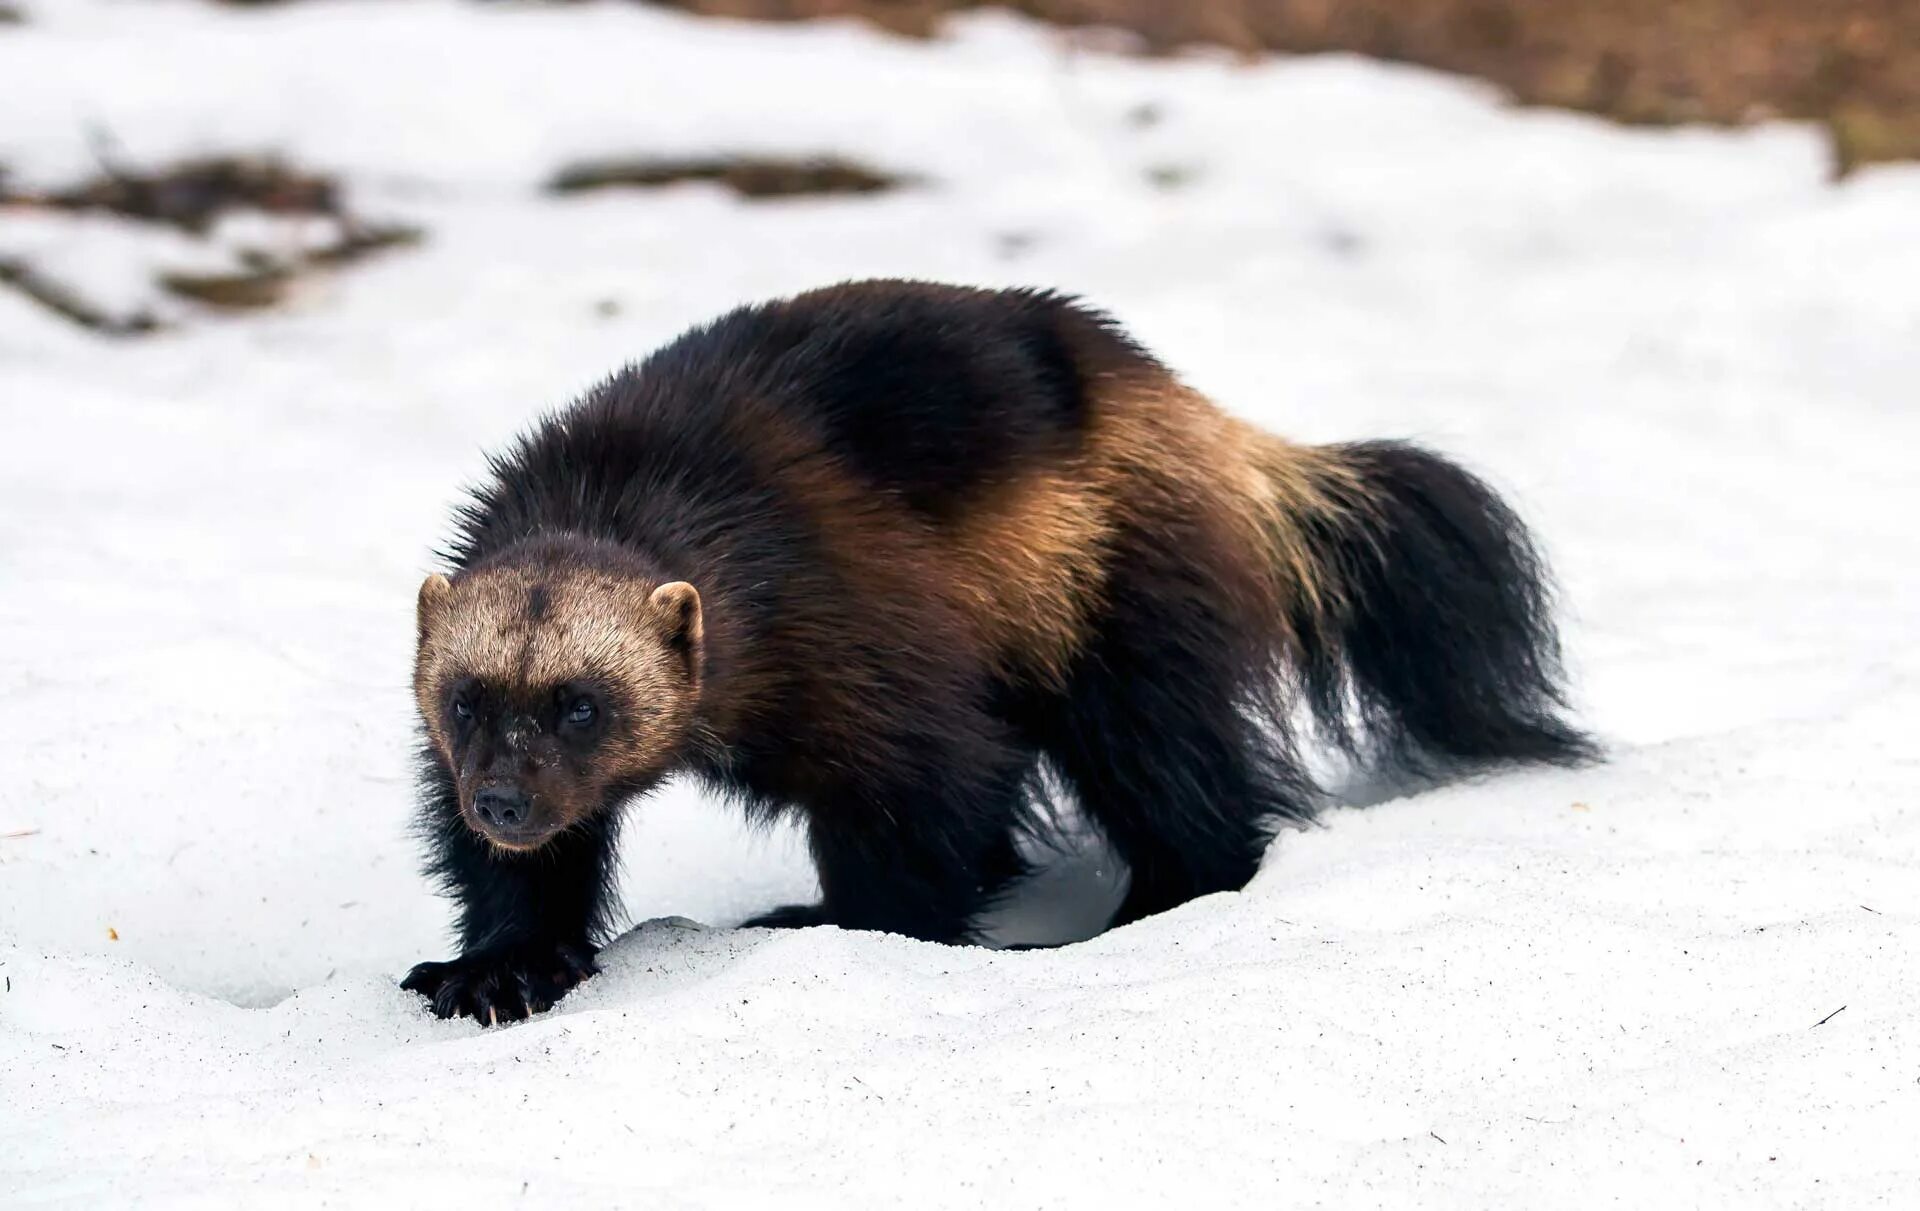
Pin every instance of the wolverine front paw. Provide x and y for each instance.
(502, 984)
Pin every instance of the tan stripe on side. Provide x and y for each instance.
(1028, 563)
(1159, 445)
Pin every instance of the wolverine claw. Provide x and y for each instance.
(502, 984)
(791, 916)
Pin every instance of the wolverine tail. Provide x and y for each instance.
(1421, 610)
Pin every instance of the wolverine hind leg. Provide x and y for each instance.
(921, 853)
(1167, 734)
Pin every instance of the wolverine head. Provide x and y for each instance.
(553, 686)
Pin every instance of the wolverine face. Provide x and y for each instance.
(551, 692)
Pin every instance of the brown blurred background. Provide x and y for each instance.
(1851, 65)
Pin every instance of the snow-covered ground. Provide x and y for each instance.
(1688, 977)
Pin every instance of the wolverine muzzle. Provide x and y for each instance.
(503, 813)
(505, 808)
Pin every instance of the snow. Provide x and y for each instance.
(1686, 977)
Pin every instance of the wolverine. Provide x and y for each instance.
(875, 556)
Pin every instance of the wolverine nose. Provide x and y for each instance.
(503, 807)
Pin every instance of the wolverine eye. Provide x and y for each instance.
(582, 712)
(462, 710)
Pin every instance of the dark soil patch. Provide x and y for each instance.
(192, 196)
(261, 284)
(751, 177)
(265, 280)
(1852, 65)
(69, 305)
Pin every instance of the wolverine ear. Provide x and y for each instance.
(674, 611)
(435, 591)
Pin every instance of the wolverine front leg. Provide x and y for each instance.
(527, 920)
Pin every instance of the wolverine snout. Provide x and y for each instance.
(503, 807)
(503, 813)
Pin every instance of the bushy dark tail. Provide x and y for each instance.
(1432, 629)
